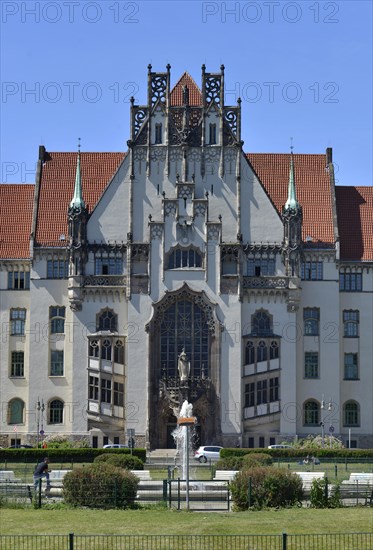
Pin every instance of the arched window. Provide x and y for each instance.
(273, 350)
(261, 352)
(184, 258)
(55, 415)
(94, 348)
(16, 409)
(107, 320)
(261, 324)
(249, 353)
(351, 414)
(119, 352)
(184, 326)
(106, 350)
(311, 413)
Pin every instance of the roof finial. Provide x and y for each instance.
(291, 145)
(78, 201)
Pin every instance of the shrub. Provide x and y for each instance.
(319, 495)
(100, 485)
(269, 487)
(127, 462)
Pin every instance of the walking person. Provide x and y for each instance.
(42, 470)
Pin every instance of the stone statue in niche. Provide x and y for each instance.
(183, 366)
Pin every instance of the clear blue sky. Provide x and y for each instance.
(303, 70)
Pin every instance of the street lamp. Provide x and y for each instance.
(322, 423)
(40, 408)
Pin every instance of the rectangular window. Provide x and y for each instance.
(17, 366)
(212, 134)
(250, 395)
(351, 366)
(158, 133)
(273, 389)
(56, 362)
(261, 392)
(109, 266)
(311, 317)
(118, 394)
(251, 443)
(351, 323)
(105, 390)
(261, 267)
(350, 282)
(17, 321)
(93, 388)
(57, 269)
(311, 271)
(311, 364)
(18, 280)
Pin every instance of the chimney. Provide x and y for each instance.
(329, 155)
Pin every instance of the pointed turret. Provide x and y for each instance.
(292, 219)
(77, 221)
(292, 202)
(77, 201)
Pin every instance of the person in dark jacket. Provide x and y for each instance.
(42, 470)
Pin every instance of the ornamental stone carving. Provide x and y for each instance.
(139, 153)
(156, 231)
(200, 208)
(170, 208)
(158, 153)
(213, 232)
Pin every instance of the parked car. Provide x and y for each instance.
(207, 452)
(280, 447)
(115, 446)
(18, 446)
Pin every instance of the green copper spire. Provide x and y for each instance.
(292, 202)
(78, 201)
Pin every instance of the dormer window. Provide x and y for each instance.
(158, 134)
(212, 134)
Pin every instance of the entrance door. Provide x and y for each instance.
(171, 444)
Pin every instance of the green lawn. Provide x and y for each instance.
(31, 521)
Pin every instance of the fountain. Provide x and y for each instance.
(182, 436)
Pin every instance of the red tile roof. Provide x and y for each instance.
(16, 214)
(312, 187)
(355, 222)
(57, 189)
(195, 96)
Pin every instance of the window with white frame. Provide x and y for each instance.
(109, 265)
(93, 388)
(311, 364)
(262, 391)
(351, 368)
(311, 317)
(56, 366)
(18, 280)
(57, 319)
(118, 394)
(57, 269)
(261, 267)
(55, 412)
(17, 321)
(351, 323)
(311, 271)
(311, 413)
(17, 369)
(350, 282)
(351, 414)
(105, 390)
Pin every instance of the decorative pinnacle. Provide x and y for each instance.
(292, 202)
(78, 201)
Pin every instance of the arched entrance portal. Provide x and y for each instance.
(184, 320)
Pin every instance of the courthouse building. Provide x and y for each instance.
(256, 266)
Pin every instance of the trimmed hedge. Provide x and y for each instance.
(64, 455)
(127, 462)
(100, 486)
(301, 453)
(244, 462)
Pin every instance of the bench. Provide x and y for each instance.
(8, 476)
(308, 478)
(366, 479)
(57, 475)
(225, 475)
(142, 474)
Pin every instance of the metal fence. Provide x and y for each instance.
(331, 541)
